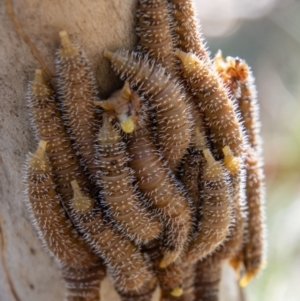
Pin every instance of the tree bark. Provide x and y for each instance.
(26, 271)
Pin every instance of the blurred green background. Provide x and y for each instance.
(267, 35)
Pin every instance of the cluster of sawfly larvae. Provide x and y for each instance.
(162, 182)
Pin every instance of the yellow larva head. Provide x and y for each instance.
(246, 278)
(122, 103)
(231, 163)
(80, 202)
(67, 49)
(176, 292)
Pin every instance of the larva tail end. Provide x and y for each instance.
(176, 292)
(169, 257)
(108, 54)
(37, 161)
(80, 201)
(208, 156)
(231, 163)
(39, 78)
(246, 278)
(68, 49)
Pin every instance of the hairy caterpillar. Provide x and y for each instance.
(208, 276)
(81, 269)
(123, 201)
(49, 126)
(126, 264)
(187, 30)
(215, 211)
(188, 286)
(158, 185)
(236, 74)
(66, 170)
(172, 117)
(219, 111)
(155, 33)
(77, 92)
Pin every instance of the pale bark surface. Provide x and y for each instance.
(26, 271)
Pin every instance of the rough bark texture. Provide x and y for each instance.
(26, 271)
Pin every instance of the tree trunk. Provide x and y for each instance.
(26, 271)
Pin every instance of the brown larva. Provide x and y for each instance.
(125, 262)
(119, 194)
(219, 111)
(208, 276)
(237, 76)
(188, 286)
(48, 125)
(67, 171)
(186, 29)
(81, 269)
(156, 182)
(155, 33)
(172, 117)
(77, 92)
(215, 211)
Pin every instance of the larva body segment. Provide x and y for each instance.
(171, 112)
(154, 179)
(81, 269)
(219, 111)
(186, 29)
(188, 285)
(46, 118)
(125, 206)
(208, 276)
(253, 248)
(126, 264)
(216, 205)
(155, 33)
(236, 74)
(77, 92)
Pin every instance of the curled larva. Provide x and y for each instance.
(253, 248)
(77, 93)
(49, 126)
(81, 269)
(220, 115)
(126, 264)
(155, 33)
(170, 278)
(159, 187)
(238, 77)
(125, 204)
(171, 112)
(215, 211)
(208, 276)
(187, 30)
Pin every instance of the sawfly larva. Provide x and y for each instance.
(125, 204)
(158, 185)
(125, 262)
(220, 115)
(165, 97)
(215, 211)
(187, 30)
(49, 126)
(81, 269)
(77, 92)
(154, 32)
